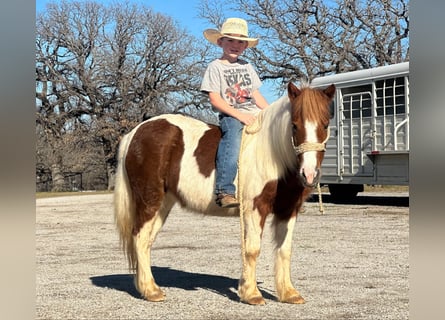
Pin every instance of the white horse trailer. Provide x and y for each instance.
(369, 142)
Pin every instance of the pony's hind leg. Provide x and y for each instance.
(143, 241)
(283, 237)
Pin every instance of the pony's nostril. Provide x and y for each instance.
(303, 178)
(312, 180)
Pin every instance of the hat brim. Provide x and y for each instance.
(213, 35)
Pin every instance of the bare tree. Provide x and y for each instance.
(65, 89)
(309, 38)
(102, 69)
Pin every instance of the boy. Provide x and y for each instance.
(232, 85)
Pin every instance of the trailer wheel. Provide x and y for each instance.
(344, 192)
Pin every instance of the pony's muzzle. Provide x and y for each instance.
(310, 180)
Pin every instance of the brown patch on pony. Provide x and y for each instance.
(205, 152)
(311, 104)
(283, 198)
(152, 165)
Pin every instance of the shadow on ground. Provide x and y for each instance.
(167, 277)
(377, 200)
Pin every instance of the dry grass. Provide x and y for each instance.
(40, 195)
(384, 188)
(377, 188)
(368, 188)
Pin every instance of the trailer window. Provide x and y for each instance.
(390, 96)
(357, 102)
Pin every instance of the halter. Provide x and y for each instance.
(310, 146)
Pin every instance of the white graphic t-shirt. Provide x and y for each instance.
(235, 82)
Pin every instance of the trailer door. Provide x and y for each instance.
(357, 130)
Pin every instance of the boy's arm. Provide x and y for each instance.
(221, 105)
(260, 101)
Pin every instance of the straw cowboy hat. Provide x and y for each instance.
(234, 28)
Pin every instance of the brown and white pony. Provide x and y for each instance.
(171, 158)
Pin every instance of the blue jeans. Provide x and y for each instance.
(227, 155)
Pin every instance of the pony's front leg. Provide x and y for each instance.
(247, 288)
(143, 242)
(283, 237)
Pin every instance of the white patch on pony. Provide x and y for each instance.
(309, 165)
(199, 189)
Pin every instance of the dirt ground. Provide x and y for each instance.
(349, 263)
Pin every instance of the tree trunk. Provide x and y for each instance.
(111, 175)
(57, 178)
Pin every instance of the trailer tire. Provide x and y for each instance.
(344, 192)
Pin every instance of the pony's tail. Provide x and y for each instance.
(124, 210)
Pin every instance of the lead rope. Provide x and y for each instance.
(241, 210)
(320, 201)
(251, 129)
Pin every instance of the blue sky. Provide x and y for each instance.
(185, 12)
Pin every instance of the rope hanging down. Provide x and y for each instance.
(251, 129)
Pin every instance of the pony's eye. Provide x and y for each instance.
(294, 127)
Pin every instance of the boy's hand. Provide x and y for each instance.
(246, 119)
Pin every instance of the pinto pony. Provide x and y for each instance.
(171, 158)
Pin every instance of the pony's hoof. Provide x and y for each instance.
(155, 297)
(259, 300)
(296, 299)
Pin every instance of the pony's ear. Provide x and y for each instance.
(330, 91)
(331, 110)
(293, 91)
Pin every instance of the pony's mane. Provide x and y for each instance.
(274, 140)
(274, 147)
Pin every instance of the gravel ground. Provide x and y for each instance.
(350, 263)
